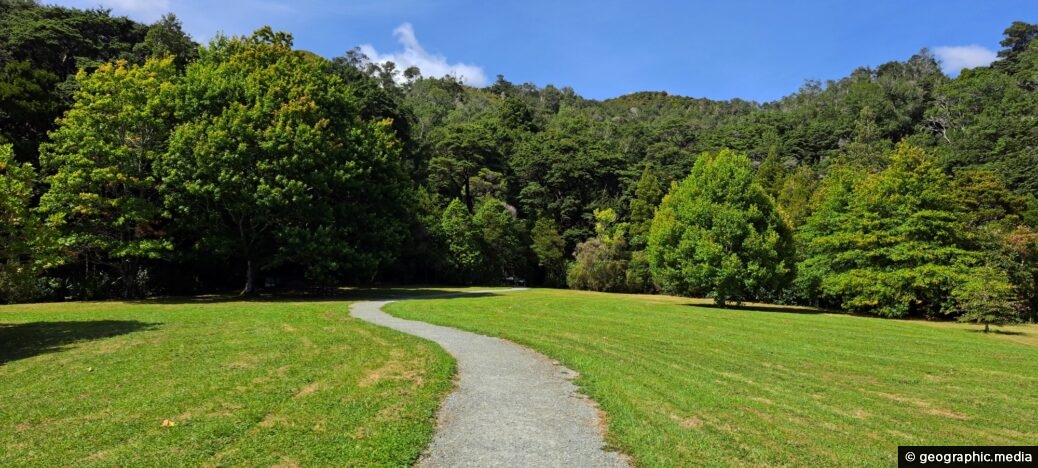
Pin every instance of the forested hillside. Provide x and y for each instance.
(137, 162)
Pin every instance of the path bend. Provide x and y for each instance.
(512, 406)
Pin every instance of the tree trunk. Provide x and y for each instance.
(128, 273)
(468, 195)
(986, 327)
(250, 286)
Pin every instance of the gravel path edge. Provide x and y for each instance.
(511, 406)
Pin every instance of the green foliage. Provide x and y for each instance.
(550, 249)
(273, 166)
(820, 234)
(62, 40)
(601, 261)
(986, 297)
(599, 266)
(377, 103)
(463, 240)
(718, 234)
(41, 46)
(647, 196)
(167, 37)
(566, 172)
(606, 262)
(19, 230)
(279, 160)
(101, 196)
(1021, 245)
(28, 106)
(895, 243)
(771, 173)
(462, 151)
(485, 246)
(982, 118)
(1017, 40)
(501, 237)
(794, 195)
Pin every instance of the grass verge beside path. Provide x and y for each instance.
(254, 383)
(689, 385)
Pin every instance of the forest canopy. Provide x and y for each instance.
(135, 161)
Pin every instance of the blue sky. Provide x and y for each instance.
(754, 50)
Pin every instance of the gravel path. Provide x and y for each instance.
(512, 406)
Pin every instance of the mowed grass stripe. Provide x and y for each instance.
(243, 383)
(685, 384)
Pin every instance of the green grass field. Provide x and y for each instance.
(685, 384)
(212, 383)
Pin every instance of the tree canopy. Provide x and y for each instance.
(136, 162)
(717, 234)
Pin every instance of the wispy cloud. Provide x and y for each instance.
(430, 64)
(955, 58)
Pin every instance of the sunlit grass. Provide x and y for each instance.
(204, 382)
(689, 384)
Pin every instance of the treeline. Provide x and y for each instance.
(164, 167)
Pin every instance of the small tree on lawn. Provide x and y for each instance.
(987, 297)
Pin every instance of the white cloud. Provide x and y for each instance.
(414, 54)
(955, 58)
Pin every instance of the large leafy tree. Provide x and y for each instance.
(274, 166)
(101, 193)
(462, 150)
(895, 243)
(718, 234)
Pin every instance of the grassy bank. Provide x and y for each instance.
(687, 384)
(205, 382)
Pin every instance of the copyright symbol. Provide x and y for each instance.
(909, 456)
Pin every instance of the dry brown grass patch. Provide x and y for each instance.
(308, 389)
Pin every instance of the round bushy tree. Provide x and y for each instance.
(717, 234)
(275, 166)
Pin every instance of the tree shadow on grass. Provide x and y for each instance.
(768, 308)
(338, 295)
(995, 331)
(24, 340)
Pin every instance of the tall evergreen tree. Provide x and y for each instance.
(718, 234)
(895, 243)
(647, 196)
(101, 192)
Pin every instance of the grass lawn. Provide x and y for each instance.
(254, 383)
(685, 384)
